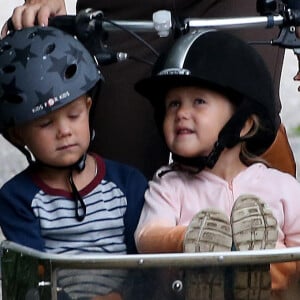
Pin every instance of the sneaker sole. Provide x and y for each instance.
(209, 231)
(254, 228)
(253, 224)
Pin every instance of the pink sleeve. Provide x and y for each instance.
(283, 274)
(290, 223)
(162, 204)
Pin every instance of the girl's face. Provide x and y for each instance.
(61, 137)
(194, 117)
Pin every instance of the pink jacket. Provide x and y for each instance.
(176, 197)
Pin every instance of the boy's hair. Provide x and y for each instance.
(42, 69)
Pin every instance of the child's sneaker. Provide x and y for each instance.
(209, 231)
(253, 227)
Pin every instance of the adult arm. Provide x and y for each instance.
(35, 12)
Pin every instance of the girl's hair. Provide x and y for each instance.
(246, 156)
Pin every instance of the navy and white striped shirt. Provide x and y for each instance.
(35, 215)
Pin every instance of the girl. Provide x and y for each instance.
(213, 99)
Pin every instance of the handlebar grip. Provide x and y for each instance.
(65, 23)
(10, 25)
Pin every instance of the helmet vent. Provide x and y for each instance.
(9, 69)
(59, 64)
(14, 99)
(70, 71)
(5, 48)
(49, 49)
(32, 35)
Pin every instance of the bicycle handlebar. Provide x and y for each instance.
(88, 23)
(149, 26)
(95, 20)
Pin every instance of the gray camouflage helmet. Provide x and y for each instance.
(41, 70)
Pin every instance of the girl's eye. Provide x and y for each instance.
(172, 104)
(199, 101)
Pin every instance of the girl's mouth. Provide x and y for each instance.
(183, 131)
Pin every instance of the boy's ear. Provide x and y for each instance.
(14, 136)
(89, 102)
(247, 126)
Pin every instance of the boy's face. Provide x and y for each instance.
(194, 117)
(61, 137)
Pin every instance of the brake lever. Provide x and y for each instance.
(287, 38)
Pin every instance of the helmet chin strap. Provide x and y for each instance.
(228, 137)
(80, 207)
(201, 162)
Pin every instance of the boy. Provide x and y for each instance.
(68, 200)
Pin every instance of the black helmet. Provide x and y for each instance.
(225, 63)
(41, 70)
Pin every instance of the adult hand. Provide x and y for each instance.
(297, 53)
(35, 12)
(297, 76)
